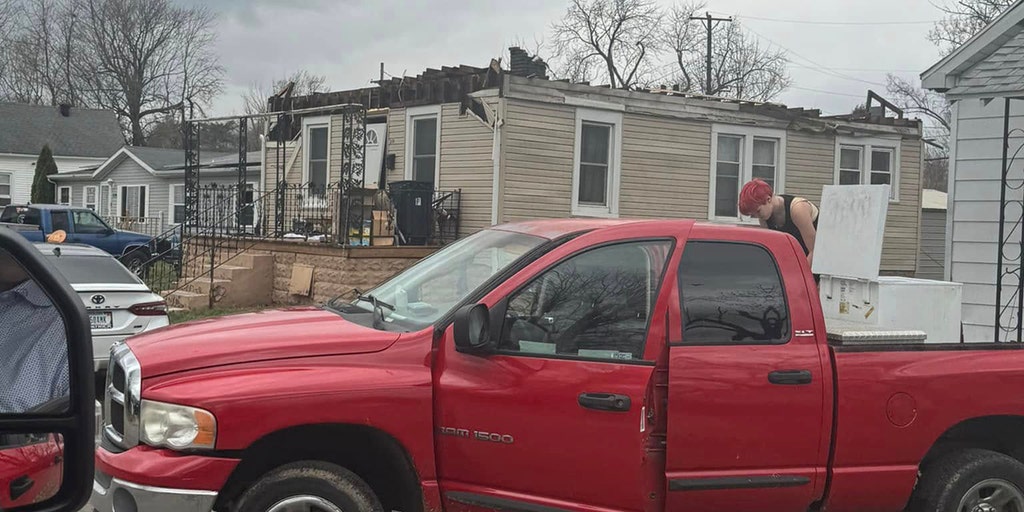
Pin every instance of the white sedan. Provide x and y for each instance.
(118, 302)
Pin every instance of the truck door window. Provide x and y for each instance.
(88, 222)
(731, 293)
(59, 220)
(595, 305)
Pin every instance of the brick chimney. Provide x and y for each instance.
(522, 64)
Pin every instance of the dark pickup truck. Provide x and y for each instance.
(82, 226)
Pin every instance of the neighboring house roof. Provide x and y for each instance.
(161, 162)
(933, 199)
(24, 129)
(990, 64)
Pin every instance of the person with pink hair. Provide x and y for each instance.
(783, 212)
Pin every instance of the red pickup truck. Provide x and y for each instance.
(591, 365)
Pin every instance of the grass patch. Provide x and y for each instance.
(177, 317)
(161, 276)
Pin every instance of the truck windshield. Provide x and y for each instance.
(434, 286)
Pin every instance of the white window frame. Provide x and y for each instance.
(748, 133)
(866, 144)
(70, 195)
(413, 114)
(96, 195)
(309, 123)
(103, 201)
(611, 210)
(9, 196)
(121, 198)
(171, 204)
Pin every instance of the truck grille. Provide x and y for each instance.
(121, 399)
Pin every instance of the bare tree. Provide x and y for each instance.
(147, 58)
(613, 40)
(963, 19)
(255, 101)
(740, 66)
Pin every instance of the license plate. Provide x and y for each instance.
(101, 320)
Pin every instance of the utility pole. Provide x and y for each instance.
(709, 23)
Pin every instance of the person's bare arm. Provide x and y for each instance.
(801, 213)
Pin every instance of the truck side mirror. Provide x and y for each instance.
(47, 413)
(472, 329)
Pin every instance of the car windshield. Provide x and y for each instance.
(431, 288)
(92, 269)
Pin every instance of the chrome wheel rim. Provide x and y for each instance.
(304, 503)
(992, 495)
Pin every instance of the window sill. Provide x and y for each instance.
(595, 212)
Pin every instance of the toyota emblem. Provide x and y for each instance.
(98, 299)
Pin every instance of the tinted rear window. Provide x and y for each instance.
(93, 269)
(20, 215)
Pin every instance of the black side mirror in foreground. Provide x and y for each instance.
(472, 329)
(47, 408)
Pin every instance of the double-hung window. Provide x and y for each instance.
(863, 161)
(738, 155)
(597, 165)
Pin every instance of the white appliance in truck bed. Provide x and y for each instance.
(848, 255)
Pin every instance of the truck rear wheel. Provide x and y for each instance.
(971, 480)
(309, 486)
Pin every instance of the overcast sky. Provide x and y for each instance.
(833, 62)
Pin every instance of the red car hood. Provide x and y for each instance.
(251, 337)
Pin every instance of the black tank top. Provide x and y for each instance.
(789, 226)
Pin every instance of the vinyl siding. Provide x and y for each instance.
(537, 160)
(664, 167)
(902, 223)
(932, 257)
(396, 143)
(466, 148)
(22, 171)
(973, 238)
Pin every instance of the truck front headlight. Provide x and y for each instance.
(177, 426)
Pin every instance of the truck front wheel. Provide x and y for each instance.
(309, 486)
(971, 480)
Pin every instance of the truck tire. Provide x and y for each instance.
(969, 479)
(135, 261)
(316, 485)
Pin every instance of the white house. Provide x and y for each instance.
(77, 137)
(984, 80)
(143, 189)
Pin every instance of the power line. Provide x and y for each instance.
(823, 22)
(876, 70)
(825, 92)
(821, 68)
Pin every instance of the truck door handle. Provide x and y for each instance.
(790, 377)
(604, 401)
(20, 486)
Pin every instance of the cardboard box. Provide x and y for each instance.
(382, 225)
(383, 240)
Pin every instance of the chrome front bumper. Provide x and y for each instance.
(122, 496)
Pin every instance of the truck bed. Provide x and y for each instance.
(19, 227)
(894, 400)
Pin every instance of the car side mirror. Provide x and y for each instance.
(472, 329)
(47, 412)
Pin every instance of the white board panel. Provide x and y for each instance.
(376, 134)
(851, 224)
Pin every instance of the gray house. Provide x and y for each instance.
(984, 81)
(143, 189)
(77, 137)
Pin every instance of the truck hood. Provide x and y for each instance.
(252, 337)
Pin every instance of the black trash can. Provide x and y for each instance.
(413, 210)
